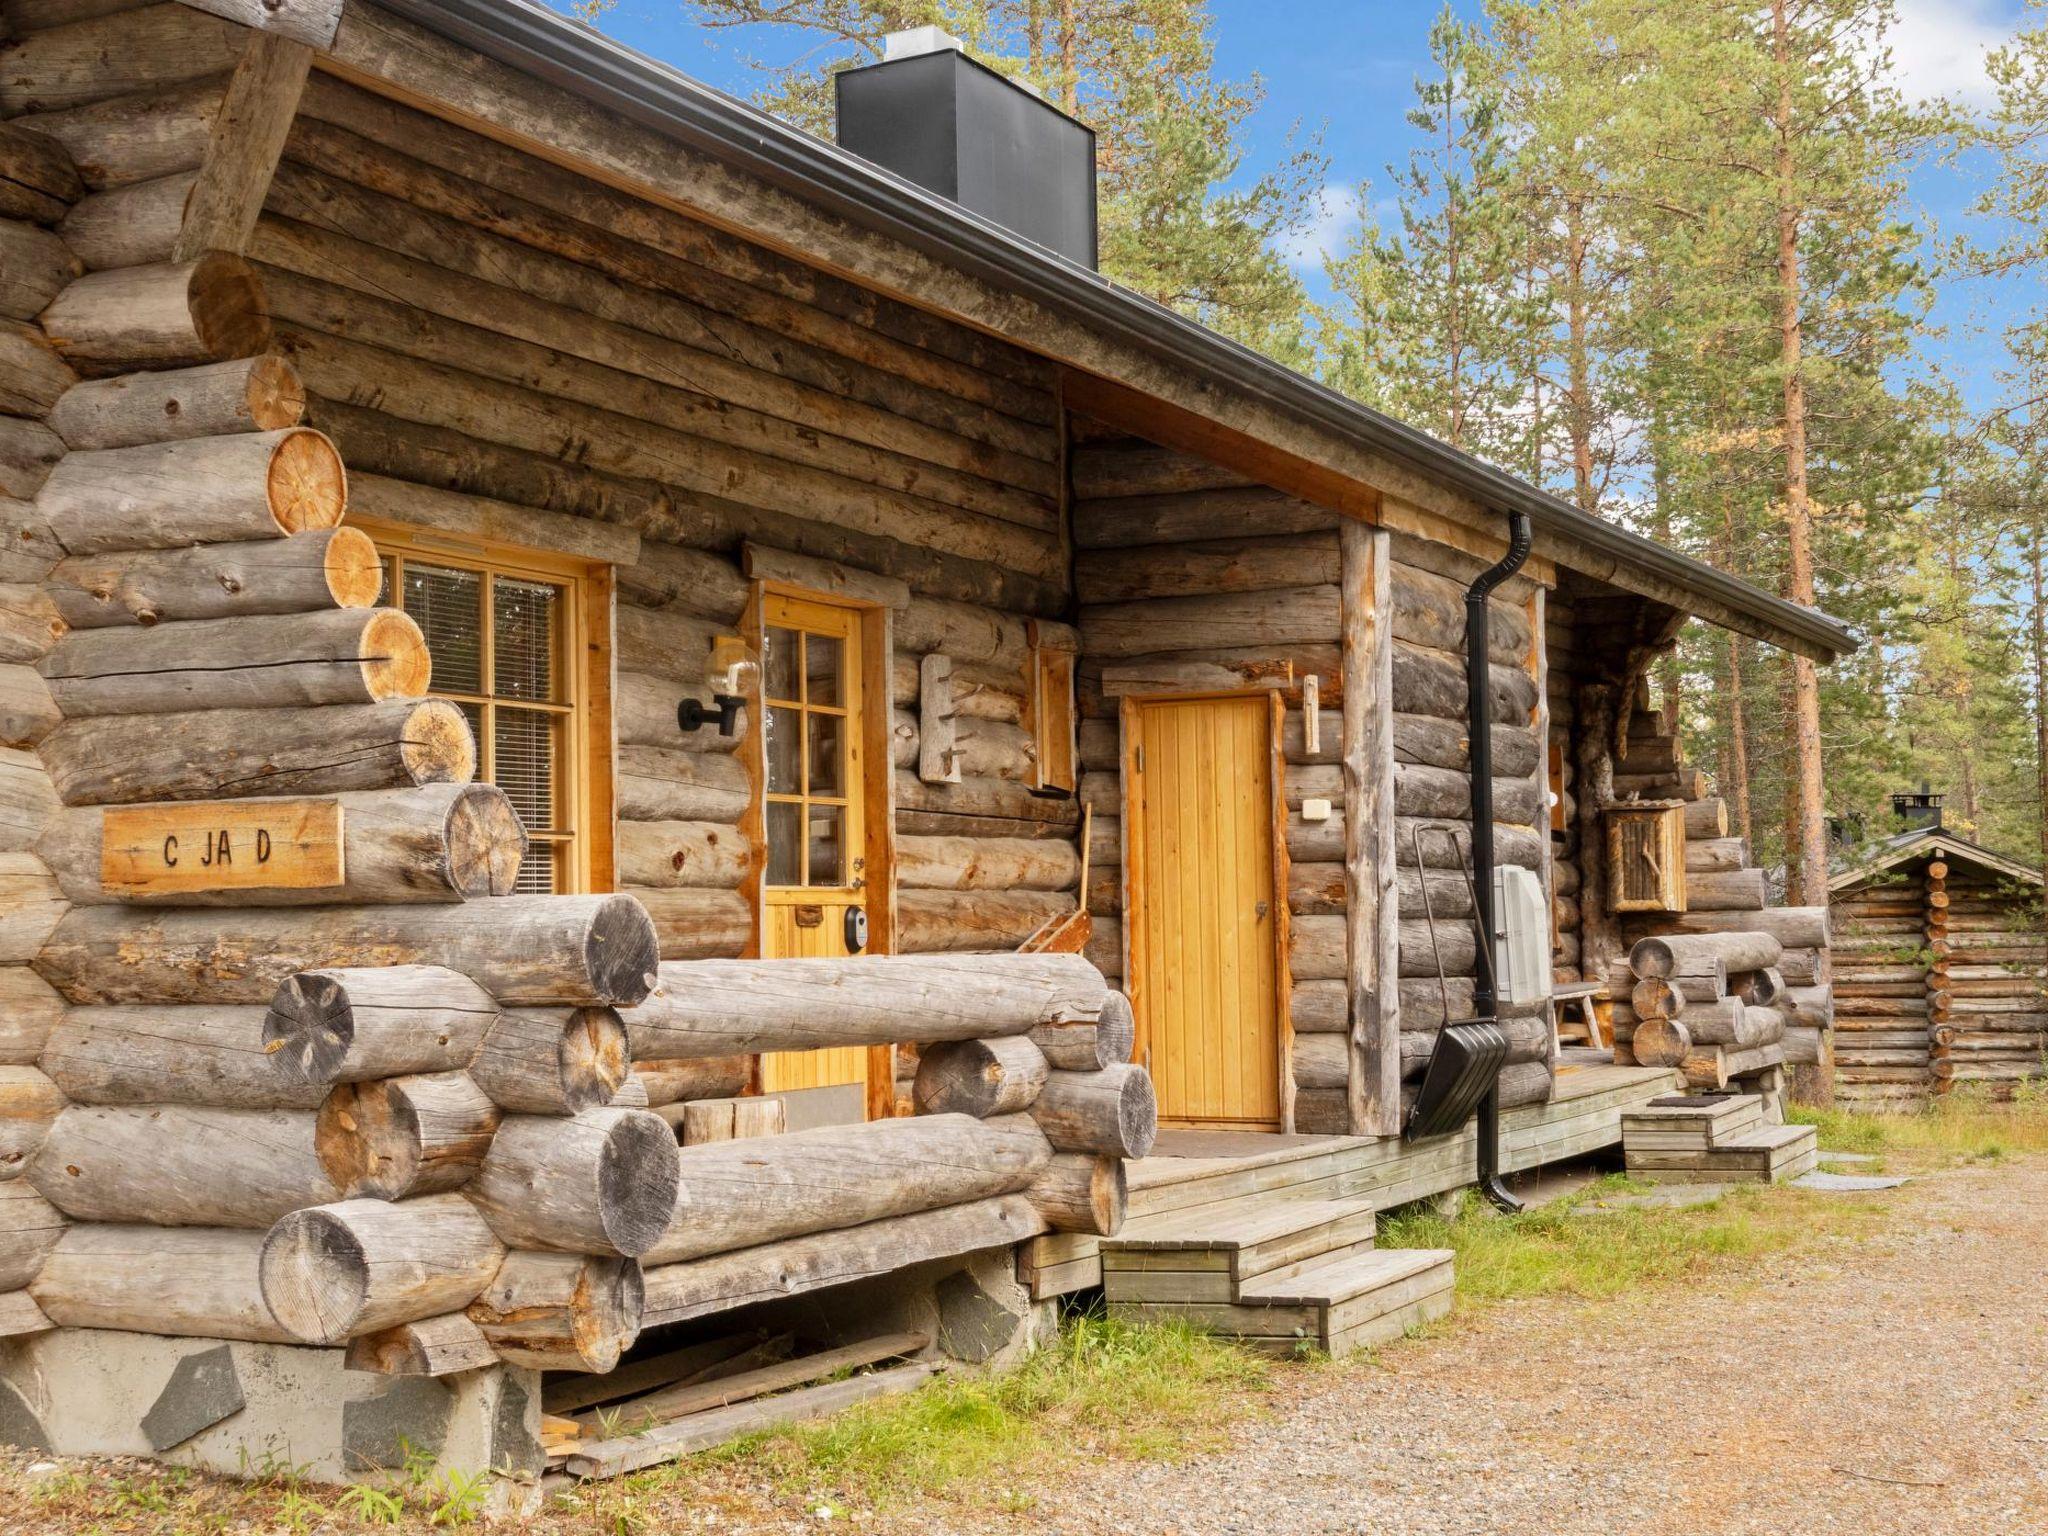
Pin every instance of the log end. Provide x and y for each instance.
(437, 747)
(276, 398)
(1661, 1042)
(355, 576)
(393, 654)
(310, 1027)
(637, 1179)
(315, 1276)
(623, 953)
(595, 1058)
(486, 843)
(1138, 1113)
(368, 1141)
(228, 309)
(307, 485)
(1116, 1030)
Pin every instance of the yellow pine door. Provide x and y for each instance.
(813, 775)
(1206, 927)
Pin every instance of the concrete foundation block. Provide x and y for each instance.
(243, 1408)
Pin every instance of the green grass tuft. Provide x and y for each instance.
(1963, 1127)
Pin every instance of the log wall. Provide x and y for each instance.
(1941, 985)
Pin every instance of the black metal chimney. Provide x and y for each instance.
(935, 117)
(1917, 812)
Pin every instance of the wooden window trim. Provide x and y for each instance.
(589, 760)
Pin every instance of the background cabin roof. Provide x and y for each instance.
(1924, 842)
(576, 58)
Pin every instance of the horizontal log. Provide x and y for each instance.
(995, 799)
(739, 1194)
(701, 854)
(29, 1011)
(30, 1104)
(646, 709)
(1076, 1192)
(775, 1271)
(1078, 1044)
(601, 1182)
(982, 1078)
(1436, 793)
(358, 1266)
(1511, 845)
(33, 377)
(1115, 630)
(1718, 854)
(169, 315)
(29, 1229)
(698, 925)
(987, 864)
(37, 178)
(1793, 927)
(195, 1282)
(1128, 521)
(678, 1082)
(1222, 565)
(201, 1055)
(136, 225)
(433, 1346)
(27, 712)
(553, 1061)
(252, 394)
(936, 922)
(29, 623)
(1706, 818)
(1735, 890)
(343, 1025)
(719, 1008)
(202, 490)
(669, 784)
(328, 568)
(35, 266)
(1433, 683)
(523, 950)
(561, 1312)
(180, 1165)
(1742, 950)
(221, 754)
(1429, 610)
(1111, 1113)
(399, 1137)
(1436, 743)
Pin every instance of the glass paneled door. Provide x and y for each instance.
(813, 778)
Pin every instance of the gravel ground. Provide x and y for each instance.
(1892, 1384)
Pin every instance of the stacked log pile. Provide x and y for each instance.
(1708, 1004)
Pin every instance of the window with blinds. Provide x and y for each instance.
(504, 635)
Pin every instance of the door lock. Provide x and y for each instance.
(856, 930)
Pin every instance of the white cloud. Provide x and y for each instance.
(1326, 235)
(1938, 47)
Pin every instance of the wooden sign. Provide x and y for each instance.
(221, 845)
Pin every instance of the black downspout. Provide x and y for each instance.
(1479, 731)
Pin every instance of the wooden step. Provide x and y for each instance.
(1337, 1304)
(1208, 1253)
(1765, 1154)
(1692, 1123)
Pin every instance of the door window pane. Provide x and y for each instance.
(827, 845)
(779, 650)
(781, 749)
(827, 755)
(785, 843)
(823, 657)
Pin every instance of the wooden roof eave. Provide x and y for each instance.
(1932, 842)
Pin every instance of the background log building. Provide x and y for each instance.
(508, 549)
(1941, 981)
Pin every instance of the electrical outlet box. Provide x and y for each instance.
(1315, 810)
(1522, 950)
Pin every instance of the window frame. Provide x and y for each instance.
(586, 763)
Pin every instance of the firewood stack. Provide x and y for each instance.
(1708, 1004)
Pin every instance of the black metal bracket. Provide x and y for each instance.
(691, 715)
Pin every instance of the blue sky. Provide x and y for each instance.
(1346, 68)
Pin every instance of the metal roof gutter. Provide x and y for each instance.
(565, 53)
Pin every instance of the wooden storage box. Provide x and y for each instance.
(1646, 856)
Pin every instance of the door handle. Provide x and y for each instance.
(1262, 909)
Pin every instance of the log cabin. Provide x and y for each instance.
(846, 757)
(1942, 979)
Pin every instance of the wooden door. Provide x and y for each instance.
(1207, 912)
(814, 777)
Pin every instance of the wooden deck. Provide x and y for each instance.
(1195, 1168)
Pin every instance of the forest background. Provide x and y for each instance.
(1669, 259)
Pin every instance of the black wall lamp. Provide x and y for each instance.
(691, 715)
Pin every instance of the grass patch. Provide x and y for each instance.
(1110, 1388)
(1575, 1248)
(1961, 1127)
